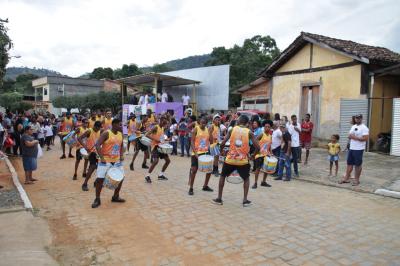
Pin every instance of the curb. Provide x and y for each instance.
(20, 188)
(388, 193)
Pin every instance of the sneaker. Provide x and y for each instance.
(246, 203)
(84, 175)
(218, 201)
(131, 166)
(70, 156)
(216, 174)
(208, 189)
(85, 187)
(117, 199)
(148, 179)
(145, 166)
(63, 157)
(296, 175)
(74, 177)
(265, 184)
(190, 192)
(162, 177)
(254, 186)
(96, 203)
(182, 155)
(286, 179)
(278, 178)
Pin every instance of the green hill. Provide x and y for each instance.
(188, 62)
(13, 72)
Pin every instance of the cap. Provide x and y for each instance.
(359, 116)
(216, 116)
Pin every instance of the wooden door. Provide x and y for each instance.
(310, 105)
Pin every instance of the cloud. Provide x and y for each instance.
(75, 36)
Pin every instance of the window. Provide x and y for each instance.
(249, 102)
(259, 101)
(44, 91)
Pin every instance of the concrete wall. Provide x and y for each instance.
(382, 109)
(213, 92)
(334, 85)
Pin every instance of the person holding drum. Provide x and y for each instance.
(79, 132)
(92, 119)
(109, 147)
(215, 132)
(237, 158)
(107, 120)
(142, 128)
(157, 138)
(200, 145)
(265, 140)
(132, 128)
(67, 124)
(88, 141)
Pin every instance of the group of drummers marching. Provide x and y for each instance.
(99, 141)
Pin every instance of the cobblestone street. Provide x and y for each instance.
(293, 223)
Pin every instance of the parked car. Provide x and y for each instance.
(252, 114)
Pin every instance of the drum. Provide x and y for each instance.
(145, 141)
(114, 176)
(206, 163)
(84, 153)
(269, 165)
(234, 178)
(221, 159)
(70, 139)
(214, 149)
(131, 138)
(165, 148)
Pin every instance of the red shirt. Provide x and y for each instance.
(306, 136)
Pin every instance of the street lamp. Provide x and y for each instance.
(14, 56)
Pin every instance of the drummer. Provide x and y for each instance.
(109, 147)
(157, 137)
(88, 141)
(79, 132)
(142, 128)
(107, 120)
(238, 157)
(67, 124)
(215, 132)
(132, 128)
(200, 146)
(92, 119)
(265, 140)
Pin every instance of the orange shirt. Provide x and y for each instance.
(66, 126)
(265, 144)
(201, 141)
(107, 123)
(216, 134)
(79, 133)
(132, 127)
(111, 147)
(92, 139)
(91, 123)
(159, 135)
(239, 146)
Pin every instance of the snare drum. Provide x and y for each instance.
(269, 165)
(114, 176)
(145, 141)
(206, 163)
(214, 149)
(165, 148)
(84, 153)
(132, 138)
(221, 159)
(70, 139)
(234, 178)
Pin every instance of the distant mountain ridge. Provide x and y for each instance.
(13, 72)
(188, 62)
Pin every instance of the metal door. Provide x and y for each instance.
(349, 108)
(395, 145)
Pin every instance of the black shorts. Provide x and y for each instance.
(158, 155)
(93, 159)
(243, 170)
(140, 146)
(258, 163)
(78, 154)
(355, 157)
(195, 160)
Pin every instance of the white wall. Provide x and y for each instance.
(212, 92)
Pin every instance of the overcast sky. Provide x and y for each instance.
(75, 36)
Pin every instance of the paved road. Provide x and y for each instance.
(292, 223)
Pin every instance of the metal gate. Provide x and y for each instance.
(349, 108)
(395, 145)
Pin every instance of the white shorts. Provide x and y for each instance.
(102, 168)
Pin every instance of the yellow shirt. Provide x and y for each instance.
(239, 146)
(333, 148)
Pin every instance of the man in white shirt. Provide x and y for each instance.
(294, 130)
(185, 101)
(358, 135)
(146, 98)
(164, 97)
(141, 100)
(276, 140)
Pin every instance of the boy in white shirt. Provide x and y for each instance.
(294, 130)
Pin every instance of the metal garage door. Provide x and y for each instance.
(395, 145)
(348, 108)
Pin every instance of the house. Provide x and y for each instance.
(333, 79)
(256, 95)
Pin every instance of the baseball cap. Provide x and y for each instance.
(359, 116)
(216, 116)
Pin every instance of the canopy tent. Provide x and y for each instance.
(151, 79)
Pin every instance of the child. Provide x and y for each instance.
(48, 131)
(174, 142)
(41, 135)
(333, 150)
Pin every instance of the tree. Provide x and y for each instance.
(159, 68)
(127, 71)
(102, 73)
(64, 102)
(5, 46)
(13, 102)
(246, 61)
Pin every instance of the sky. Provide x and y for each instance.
(75, 36)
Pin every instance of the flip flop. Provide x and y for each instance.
(28, 182)
(34, 179)
(354, 184)
(344, 181)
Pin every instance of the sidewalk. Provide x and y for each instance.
(379, 171)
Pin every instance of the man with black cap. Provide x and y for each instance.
(358, 137)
